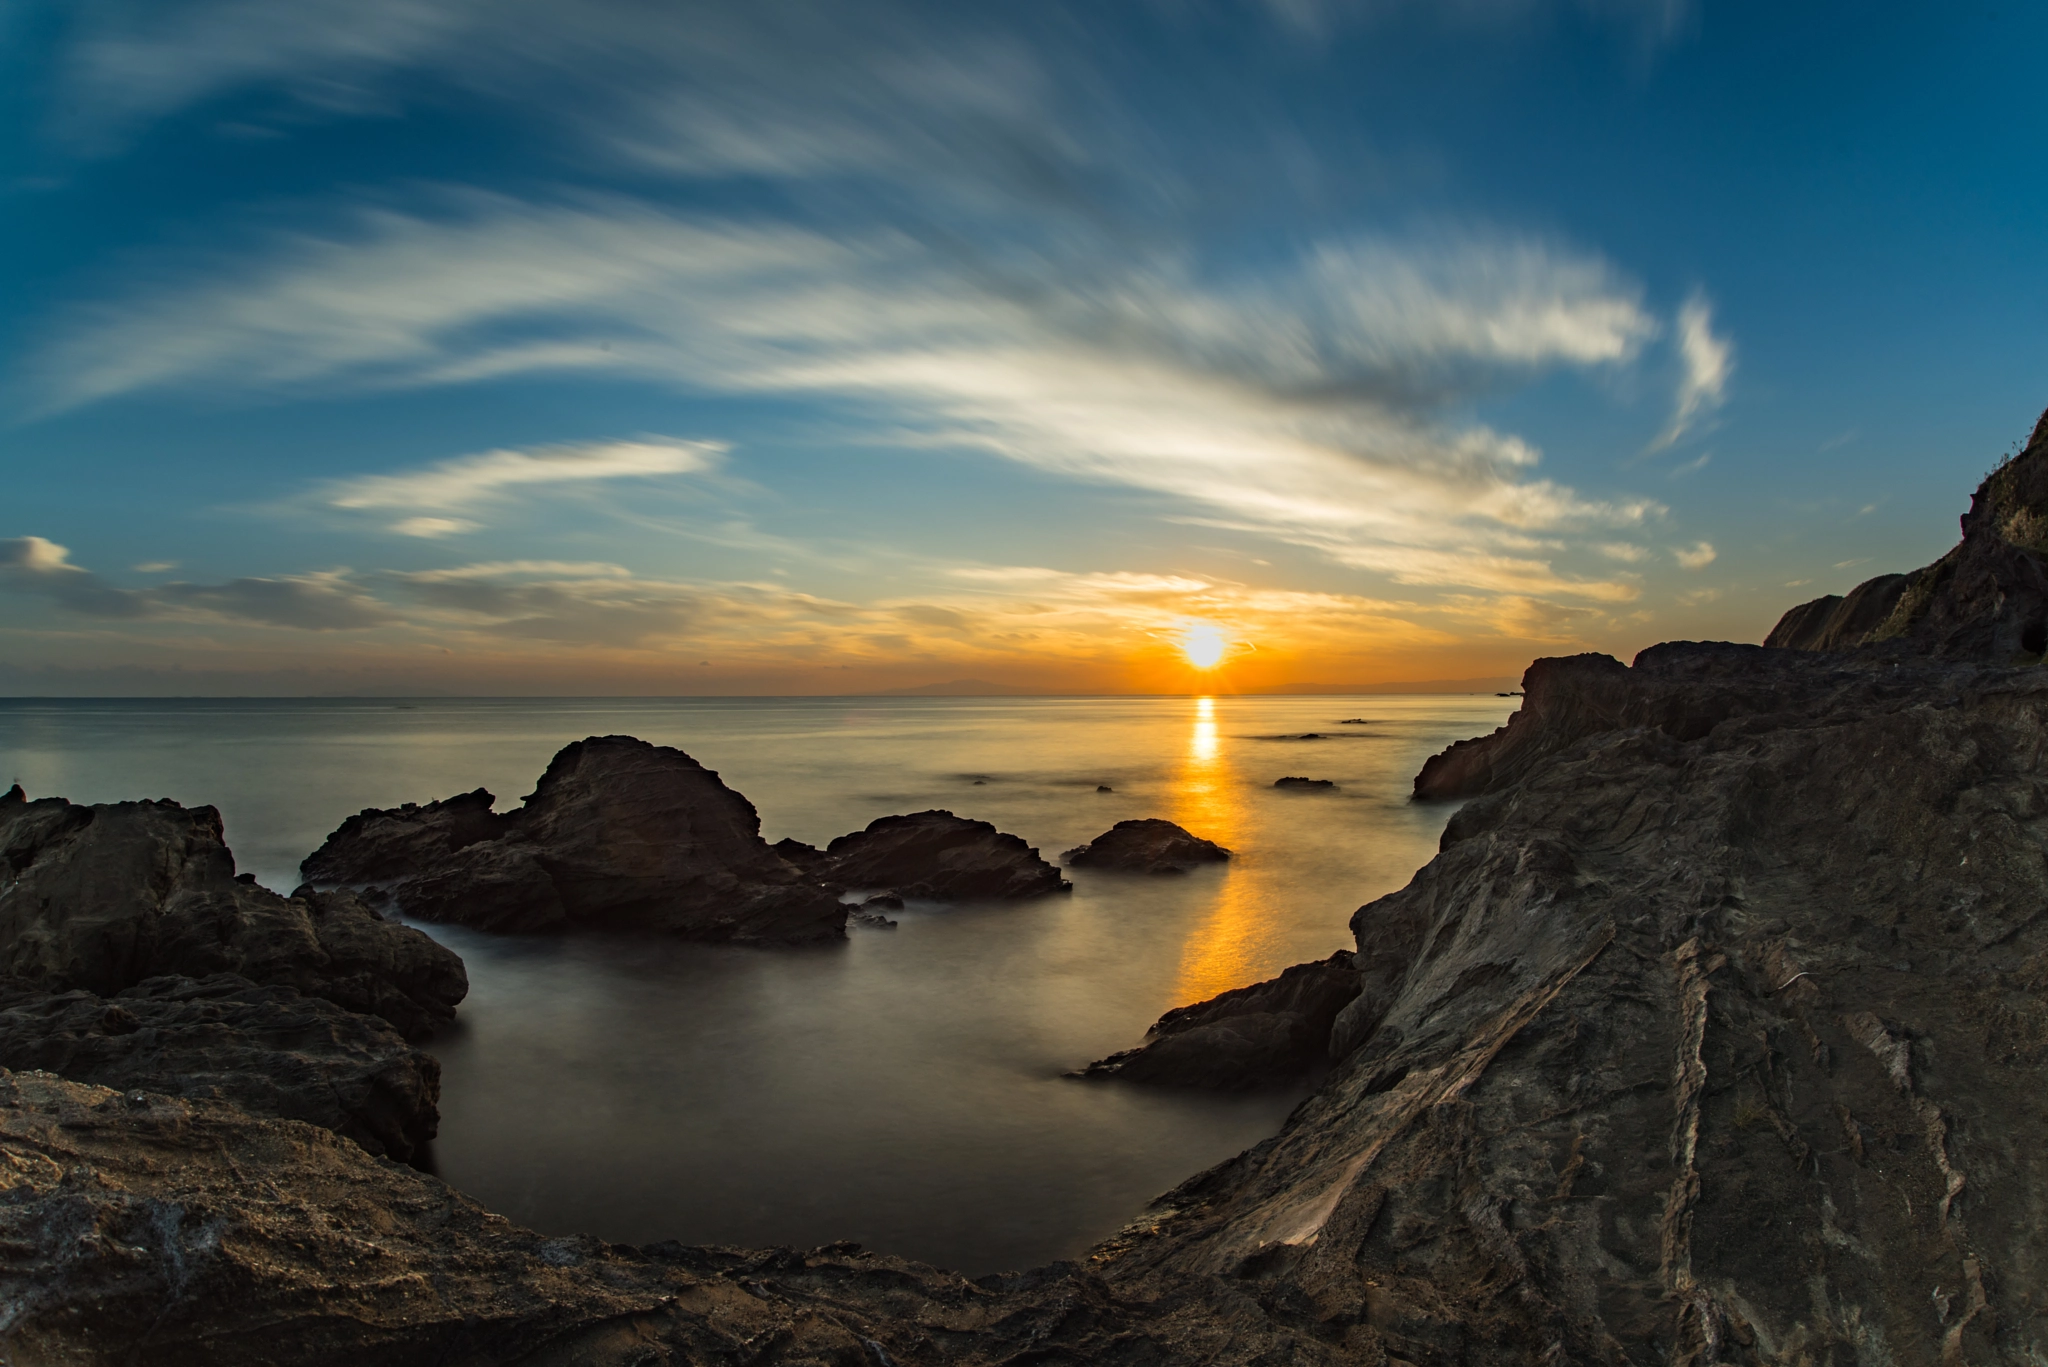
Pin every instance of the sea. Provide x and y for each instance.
(907, 1089)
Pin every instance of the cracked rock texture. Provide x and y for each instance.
(618, 833)
(268, 1049)
(101, 897)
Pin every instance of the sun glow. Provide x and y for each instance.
(1203, 643)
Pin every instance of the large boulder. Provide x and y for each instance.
(1149, 845)
(933, 855)
(618, 833)
(1264, 1035)
(268, 1049)
(101, 897)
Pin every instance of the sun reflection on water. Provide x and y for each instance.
(1220, 952)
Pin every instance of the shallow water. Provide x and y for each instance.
(903, 1089)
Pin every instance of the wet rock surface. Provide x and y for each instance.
(1147, 845)
(102, 897)
(618, 833)
(934, 855)
(269, 1049)
(1264, 1035)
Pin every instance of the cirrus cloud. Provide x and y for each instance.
(1305, 402)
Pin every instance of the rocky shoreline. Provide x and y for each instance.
(1715, 1033)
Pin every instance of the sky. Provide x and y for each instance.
(837, 346)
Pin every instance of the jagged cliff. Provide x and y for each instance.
(1715, 1033)
(1985, 600)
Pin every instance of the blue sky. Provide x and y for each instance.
(801, 347)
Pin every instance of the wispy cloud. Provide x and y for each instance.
(326, 601)
(1708, 362)
(466, 482)
(1697, 556)
(685, 87)
(1304, 402)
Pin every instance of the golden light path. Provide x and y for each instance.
(1219, 954)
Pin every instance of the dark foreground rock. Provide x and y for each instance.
(99, 898)
(1260, 1036)
(618, 833)
(267, 1049)
(1149, 845)
(933, 855)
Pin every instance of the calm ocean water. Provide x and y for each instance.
(903, 1089)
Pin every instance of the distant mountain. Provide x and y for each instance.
(958, 688)
(1502, 684)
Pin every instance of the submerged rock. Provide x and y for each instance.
(931, 854)
(1149, 845)
(618, 833)
(1259, 1036)
(101, 897)
(1307, 785)
(268, 1049)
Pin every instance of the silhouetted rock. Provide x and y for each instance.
(618, 833)
(1104, 788)
(1837, 623)
(1258, 1036)
(269, 1049)
(1146, 846)
(102, 897)
(1986, 600)
(931, 855)
(1306, 785)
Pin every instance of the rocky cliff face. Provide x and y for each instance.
(1716, 1033)
(100, 898)
(1985, 600)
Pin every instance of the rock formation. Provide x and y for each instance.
(1259, 1036)
(931, 855)
(99, 898)
(1297, 783)
(1985, 600)
(1146, 846)
(1714, 1034)
(618, 833)
(267, 1049)
(1833, 622)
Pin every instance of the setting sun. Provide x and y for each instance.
(1203, 644)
